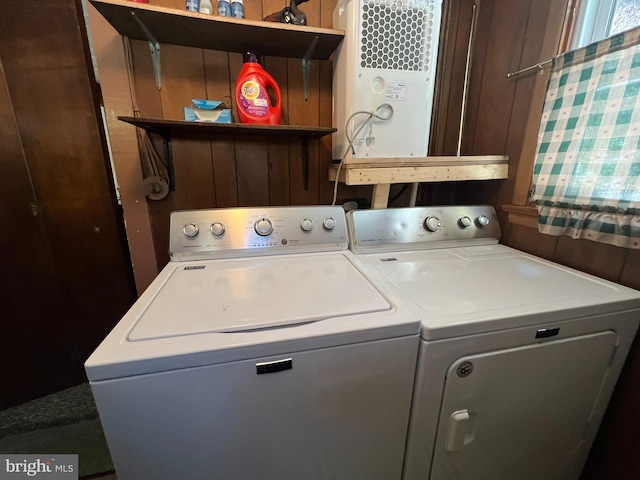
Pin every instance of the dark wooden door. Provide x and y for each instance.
(66, 277)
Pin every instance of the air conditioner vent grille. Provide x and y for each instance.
(397, 34)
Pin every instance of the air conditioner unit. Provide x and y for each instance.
(385, 65)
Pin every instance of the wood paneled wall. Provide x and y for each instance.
(66, 276)
(226, 171)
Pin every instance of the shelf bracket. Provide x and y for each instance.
(154, 47)
(305, 163)
(306, 66)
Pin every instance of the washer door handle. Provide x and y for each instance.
(273, 367)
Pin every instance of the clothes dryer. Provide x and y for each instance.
(518, 355)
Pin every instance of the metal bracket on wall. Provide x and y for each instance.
(305, 163)
(154, 47)
(306, 66)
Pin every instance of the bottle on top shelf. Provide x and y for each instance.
(234, 9)
(224, 8)
(237, 9)
(205, 7)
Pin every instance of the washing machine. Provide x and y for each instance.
(259, 352)
(518, 355)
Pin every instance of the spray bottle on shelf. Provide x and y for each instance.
(205, 7)
(252, 98)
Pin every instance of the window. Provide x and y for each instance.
(586, 178)
(598, 19)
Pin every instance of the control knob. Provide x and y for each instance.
(329, 223)
(465, 222)
(216, 229)
(483, 221)
(306, 224)
(190, 230)
(263, 227)
(432, 224)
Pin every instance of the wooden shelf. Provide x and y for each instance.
(169, 127)
(190, 29)
(382, 172)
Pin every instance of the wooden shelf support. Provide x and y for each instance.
(382, 172)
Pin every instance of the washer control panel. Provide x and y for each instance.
(422, 227)
(230, 232)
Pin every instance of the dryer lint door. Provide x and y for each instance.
(522, 413)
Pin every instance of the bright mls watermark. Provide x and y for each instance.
(50, 467)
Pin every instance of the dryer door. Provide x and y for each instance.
(522, 413)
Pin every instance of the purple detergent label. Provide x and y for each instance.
(253, 99)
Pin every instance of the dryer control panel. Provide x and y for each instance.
(422, 227)
(234, 232)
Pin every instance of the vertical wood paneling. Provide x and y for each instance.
(509, 21)
(238, 170)
(279, 171)
(218, 87)
(74, 281)
(456, 28)
(631, 272)
(252, 161)
(530, 241)
(303, 112)
(601, 259)
(28, 283)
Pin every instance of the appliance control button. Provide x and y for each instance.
(465, 222)
(263, 227)
(217, 229)
(329, 223)
(483, 221)
(432, 224)
(306, 224)
(190, 230)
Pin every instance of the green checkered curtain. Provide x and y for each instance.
(586, 178)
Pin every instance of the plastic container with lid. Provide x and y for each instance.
(253, 99)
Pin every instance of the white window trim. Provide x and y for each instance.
(594, 18)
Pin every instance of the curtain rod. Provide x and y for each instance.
(537, 65)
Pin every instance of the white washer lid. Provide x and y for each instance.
(259, 293)
(469, 290)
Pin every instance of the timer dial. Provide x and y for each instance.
(465, 222)
(217, 229)
(263, 227)
(329, 223)
(432, 223)
(190, 230)
(306, 224)
(483, 221)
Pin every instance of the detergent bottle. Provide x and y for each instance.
(252, 97)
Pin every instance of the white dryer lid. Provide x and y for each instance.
(253, 294)
(470, 290)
